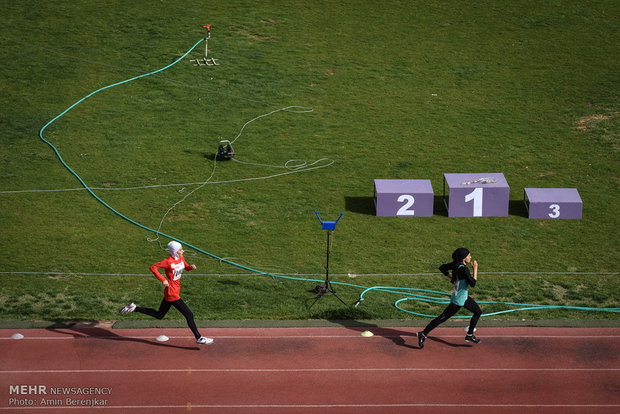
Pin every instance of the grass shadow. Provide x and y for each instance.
(517, 208)
(206, 155)
(362, 205)
(439, 208)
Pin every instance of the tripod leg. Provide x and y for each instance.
(339, 298)
(316, 299)
(330, 289)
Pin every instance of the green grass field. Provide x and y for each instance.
(398, 89)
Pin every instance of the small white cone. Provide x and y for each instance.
(17, 336)
(367, 334)
(162, 338)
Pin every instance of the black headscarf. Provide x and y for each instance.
(457, 257)
(459, 254)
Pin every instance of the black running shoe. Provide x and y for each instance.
(472, 338)
(421, 339)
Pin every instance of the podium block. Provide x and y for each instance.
(476, 195)
(553, 203)
(404, 198)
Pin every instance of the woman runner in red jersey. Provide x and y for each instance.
(173, 266)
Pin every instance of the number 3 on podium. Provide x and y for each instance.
(555, 211)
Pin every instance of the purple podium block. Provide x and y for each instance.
(553, 203)
(476, 195)
(404, 198)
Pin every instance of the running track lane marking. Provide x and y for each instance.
(86, 336)
(271, 370)
(187, 406)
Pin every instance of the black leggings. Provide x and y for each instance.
(165, 307)
(451, 310)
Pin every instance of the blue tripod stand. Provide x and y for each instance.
(322, 290)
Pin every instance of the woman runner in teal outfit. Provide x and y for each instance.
(461, 278)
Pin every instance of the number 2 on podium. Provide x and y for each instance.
(404, 210)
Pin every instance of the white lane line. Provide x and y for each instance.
(287, 370)
(72, 336)
(190, 406)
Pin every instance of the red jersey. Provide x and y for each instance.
(174, 268)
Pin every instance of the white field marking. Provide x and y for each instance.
(189, 406)
(308, 167)
(289, 370)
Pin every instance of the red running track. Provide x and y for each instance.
(311, 370)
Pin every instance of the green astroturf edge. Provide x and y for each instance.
(255, 323)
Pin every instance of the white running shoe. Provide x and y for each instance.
(204, 341)
(128, 308)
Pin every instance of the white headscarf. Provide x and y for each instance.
(173, 248)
